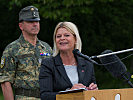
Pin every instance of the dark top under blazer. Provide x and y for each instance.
(53, 77)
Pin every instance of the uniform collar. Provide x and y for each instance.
(25, 43)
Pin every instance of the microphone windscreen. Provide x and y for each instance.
(116, 66)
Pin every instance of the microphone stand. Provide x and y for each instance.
(127, 80)
(112, 53)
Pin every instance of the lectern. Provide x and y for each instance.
(106, 94)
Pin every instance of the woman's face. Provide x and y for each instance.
(65, 40)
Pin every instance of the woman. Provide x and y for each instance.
(65, 70)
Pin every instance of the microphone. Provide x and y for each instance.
(77, 52)
(115, 66)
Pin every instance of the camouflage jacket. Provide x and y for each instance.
(20, 63)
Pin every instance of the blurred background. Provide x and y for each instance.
(102, 24)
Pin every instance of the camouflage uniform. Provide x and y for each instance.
(20, 63)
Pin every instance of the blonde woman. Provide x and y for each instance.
(65, 70)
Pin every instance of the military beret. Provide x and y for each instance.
(29, 13)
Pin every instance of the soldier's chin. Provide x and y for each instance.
(35, 33)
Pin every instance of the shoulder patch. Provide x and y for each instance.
(2, 62)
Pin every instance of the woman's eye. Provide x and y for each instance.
(67, 35)
(58, 36)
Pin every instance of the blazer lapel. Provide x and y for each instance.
(61, 69)
(81, 68)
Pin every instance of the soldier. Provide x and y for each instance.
(21, 60)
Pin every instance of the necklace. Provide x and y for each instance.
(70, 65)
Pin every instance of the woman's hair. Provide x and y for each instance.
(72, 29)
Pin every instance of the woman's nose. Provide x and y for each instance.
(62, 37)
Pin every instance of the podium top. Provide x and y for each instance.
(106, 94)
(73, 91)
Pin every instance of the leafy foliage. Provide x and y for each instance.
(61, 9)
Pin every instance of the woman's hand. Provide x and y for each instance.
(92, 86)
(77, 86)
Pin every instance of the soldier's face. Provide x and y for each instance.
(30, 27)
